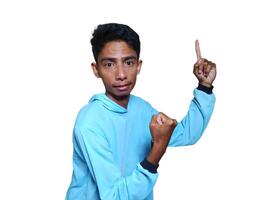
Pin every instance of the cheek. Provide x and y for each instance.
(106, 79)
(133, 73)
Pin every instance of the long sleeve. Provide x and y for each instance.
(93, 148)
(189, 130)
(192, 126)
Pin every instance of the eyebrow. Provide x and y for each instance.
(114, 59)
(130, 57)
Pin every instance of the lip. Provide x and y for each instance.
(123, 87)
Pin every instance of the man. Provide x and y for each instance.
(119, 138)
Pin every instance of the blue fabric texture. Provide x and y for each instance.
(111, 141)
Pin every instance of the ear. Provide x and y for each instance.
(95, 69)
(139, 65)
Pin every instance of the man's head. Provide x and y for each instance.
(116, 48)
(105, 33)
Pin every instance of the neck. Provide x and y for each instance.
(122, 101)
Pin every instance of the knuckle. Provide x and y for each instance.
(170, 122)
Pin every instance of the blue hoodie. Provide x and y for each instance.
(110, 142)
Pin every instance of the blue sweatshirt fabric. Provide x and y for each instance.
(111, 141)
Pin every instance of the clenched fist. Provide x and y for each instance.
(161, 128)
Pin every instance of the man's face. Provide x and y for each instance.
(117, 65)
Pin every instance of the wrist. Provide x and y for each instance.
(209, 85)
(204, 88)
(149, 166)
(156, 153)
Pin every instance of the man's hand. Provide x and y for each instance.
(204, 70)
(161, 128)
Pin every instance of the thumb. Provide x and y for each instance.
(153, 119)
(163, 117)
(159, 120)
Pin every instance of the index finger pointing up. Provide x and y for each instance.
(197, 50)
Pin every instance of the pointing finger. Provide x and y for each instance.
(197, 50)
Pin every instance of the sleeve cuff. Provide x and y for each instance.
(149, 166)
(205, 89)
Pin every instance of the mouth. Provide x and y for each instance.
(123, 87)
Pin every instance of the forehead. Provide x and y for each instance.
(117, 49)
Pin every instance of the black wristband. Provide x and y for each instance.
(206, 89)
(149, 166)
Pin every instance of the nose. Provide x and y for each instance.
(121, 74)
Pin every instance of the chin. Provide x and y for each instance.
(120, 94)
(123, 95)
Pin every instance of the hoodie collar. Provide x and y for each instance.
(109, 104)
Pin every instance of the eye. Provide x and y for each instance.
(108, 64)
(130, 62)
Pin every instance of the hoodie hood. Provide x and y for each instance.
(108, 103)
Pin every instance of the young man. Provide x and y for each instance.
(119, 138)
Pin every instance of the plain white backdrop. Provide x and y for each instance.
(45, 78)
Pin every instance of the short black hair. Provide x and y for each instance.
(111, 32)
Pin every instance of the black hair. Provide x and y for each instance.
(110, 32)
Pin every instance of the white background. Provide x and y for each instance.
(45, 78)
